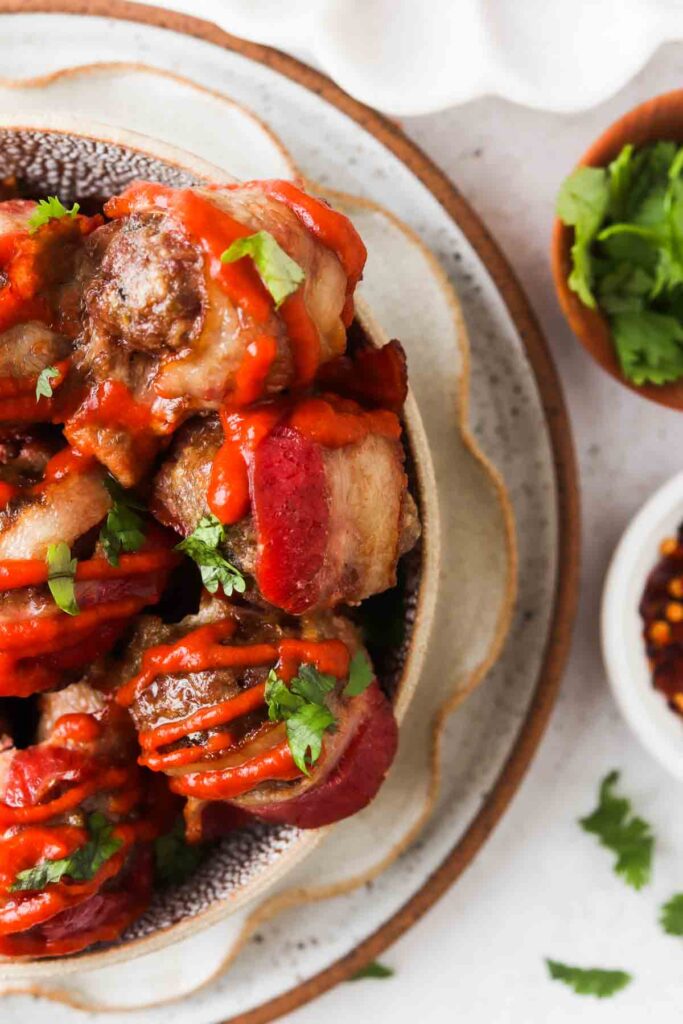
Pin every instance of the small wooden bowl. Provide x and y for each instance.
(660, 118)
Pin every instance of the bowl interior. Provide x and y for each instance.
(660, 118)
(645, 709)
(56, 158)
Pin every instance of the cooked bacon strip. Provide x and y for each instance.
(188, 725)
(327, 525)
(175, 331)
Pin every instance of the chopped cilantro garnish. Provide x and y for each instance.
(278, 271)
(302, 706)
(61, 573)
(124, 528)
(81, 865)
(202, 546)
(50, 209)
(175, 859)
(44, 382)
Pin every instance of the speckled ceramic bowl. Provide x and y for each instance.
(76, 160)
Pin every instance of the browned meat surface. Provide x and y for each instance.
(25, 454)
(147, 295)
(181, 485)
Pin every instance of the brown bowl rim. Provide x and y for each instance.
(639, 125)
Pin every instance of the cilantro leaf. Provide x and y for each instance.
(312, 685)
(305, 730)
(582, 204)
(43, 383)
(302, 707)
(174, 858)
(202, 547)
(628, 255)
(278, 271)
(61, 572)
(649, 346)
(629, 837)
(80, 866)
(360, 675)
(373, 970)
(592, 981)
(280, 699)
(671, 916)
(124, 529)
(50, 209)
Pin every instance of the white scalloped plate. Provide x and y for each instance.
(411, 296)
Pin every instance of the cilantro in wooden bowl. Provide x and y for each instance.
(618, 249)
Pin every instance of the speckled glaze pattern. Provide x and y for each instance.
(507, 419)
(54, 163)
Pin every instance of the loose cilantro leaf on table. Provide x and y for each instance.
(61, 574)
(627, 256)
(628, 836)
(174, 858)
(50, 209)
(373, 970)
(302, 706)
(593, 981)
(44, 382)
(81, 865)
(278, 271)
(202, 546)
(671, 916)
(124, 528)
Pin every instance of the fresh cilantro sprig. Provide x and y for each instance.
(671, 915)
(592, 981)
(81, 865)
(124, 528)
(174, 858)
(202, 546)
(50, 209)
(279, 272)
(302, 705)
(61, 575)
(626, 835)
(627, 256)
(44, 382)
(373, 970)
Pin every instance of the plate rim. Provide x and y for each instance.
(558, 425)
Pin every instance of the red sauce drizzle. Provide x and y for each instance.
(215, 230)
(330, 421)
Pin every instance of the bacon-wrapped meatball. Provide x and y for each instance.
(282, 719)
(314, 492)
(58, 613)
(172, 329)
(76, 821)
(40, 282)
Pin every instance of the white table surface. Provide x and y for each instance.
(541, 887)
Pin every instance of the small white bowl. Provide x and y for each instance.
(659, 729)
